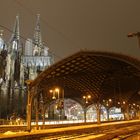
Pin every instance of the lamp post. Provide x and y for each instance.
(134, 110)
(137, 34)
(86, 101)
(124, 106)
(58, 95)
(107, 103)
(138, 111)
(55, 95)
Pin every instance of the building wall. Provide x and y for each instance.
(19, 63)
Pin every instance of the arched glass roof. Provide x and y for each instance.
(101, 74)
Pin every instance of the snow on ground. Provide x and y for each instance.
(13, 133)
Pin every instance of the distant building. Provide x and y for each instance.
(18, 63)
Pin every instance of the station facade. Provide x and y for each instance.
(87, 86)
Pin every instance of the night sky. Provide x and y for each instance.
(71, 25)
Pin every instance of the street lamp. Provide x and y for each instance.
(124, 108)
(137, 34)
(134, 110)
(56, 95)
(133, 34)
(108, 103)
(57, 92)
(51, 91)
(87, 98)
(86, 101)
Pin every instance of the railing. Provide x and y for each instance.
(12, 122)
(48, 122)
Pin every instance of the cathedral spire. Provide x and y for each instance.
(15, 34)
(37, 33)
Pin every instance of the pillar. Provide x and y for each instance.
(44, 110)
(29, 114)
(98, 113)
(62, 105)
(85, 112)
(126, 114)
(107, 109)
(29, 105)
(36, 115)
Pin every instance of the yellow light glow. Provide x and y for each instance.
(53, 97)
(57, 90)
(89, 96)
(84, 97)
(51, 91)
(123, 102)
(110, 100)
(56, 106)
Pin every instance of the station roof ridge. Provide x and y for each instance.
(93, 72)
(118, 56)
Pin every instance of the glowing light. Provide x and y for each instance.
(123, 102)
(84, 97)
(57, 90)
(89, 96)
(110, 100)
(53, 97)
(51, 91)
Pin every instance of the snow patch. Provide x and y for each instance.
(9, 133)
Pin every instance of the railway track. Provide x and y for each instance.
(78, 132)
(111, 134)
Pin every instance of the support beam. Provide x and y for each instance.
(29, 105)
(98, 109)
(85, 112)
(37, 114)
(29, 112)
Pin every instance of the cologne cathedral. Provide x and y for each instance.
(19, 62)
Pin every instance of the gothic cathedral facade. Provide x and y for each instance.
(18, 63)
